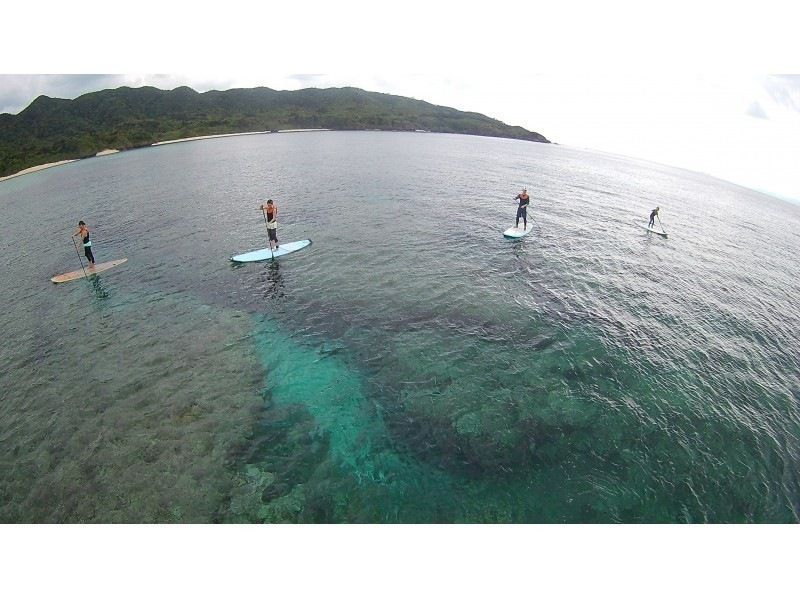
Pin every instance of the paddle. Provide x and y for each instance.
(534, 221)
(530, 217)
(79, 257)
(661, 225)
(266, 224)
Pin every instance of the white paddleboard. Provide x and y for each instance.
(260, 255)
(653, 230)
(85, 273)
(516, 232)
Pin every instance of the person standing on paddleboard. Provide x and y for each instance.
(83, 233)
(522, 210)
(653, 215)
(270, 210)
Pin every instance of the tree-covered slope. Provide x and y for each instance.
(51, 129)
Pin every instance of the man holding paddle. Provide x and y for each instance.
(653, 216)
(270, 210)
(522, 210)
(83, 233)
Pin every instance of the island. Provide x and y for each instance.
(53, 130)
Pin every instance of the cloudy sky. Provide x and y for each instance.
(685, 84)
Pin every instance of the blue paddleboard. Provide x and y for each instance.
(652, 230)
(265, 254)
(516, 232)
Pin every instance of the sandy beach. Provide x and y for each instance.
(36, 168)
(300, 130)
(209, 137)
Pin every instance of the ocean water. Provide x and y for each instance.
(412, 365)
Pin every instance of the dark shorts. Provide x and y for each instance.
(522, 212)
(273, 234)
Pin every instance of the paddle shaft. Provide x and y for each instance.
(527, 215)
(79, 257)
(661, 225)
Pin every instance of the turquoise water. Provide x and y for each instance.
(412, 365)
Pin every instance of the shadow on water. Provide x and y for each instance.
(97, 287)
(271, 280)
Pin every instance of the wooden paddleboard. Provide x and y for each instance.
(77, 274)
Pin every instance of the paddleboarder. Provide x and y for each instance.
(270, 210)
(522, 211)
(83, 233)
(653, 215)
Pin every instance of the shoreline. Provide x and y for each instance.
(36, 169)
(184, 139)
(207, 137)
(301, 130)
(107, 152)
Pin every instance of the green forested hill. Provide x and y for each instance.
(51, 129)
